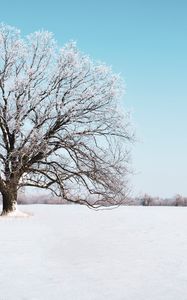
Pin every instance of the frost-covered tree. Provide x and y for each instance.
(61, 127)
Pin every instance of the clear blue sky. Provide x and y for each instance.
(145, 41)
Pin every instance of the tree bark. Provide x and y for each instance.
(9, 201)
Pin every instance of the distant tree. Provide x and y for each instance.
(61, 127)
(146, 200)
(180, 201)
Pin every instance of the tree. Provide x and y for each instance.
(61, 127)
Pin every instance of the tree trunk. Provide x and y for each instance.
(9, 201)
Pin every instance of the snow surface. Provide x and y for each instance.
(73, 253)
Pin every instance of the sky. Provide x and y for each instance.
(146, 42)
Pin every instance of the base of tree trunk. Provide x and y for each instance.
(10, 208)
(9, 203)
(15, 213)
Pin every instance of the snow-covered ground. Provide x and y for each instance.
(73, 253)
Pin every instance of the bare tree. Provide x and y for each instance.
(61, 127)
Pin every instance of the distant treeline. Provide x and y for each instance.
(144, 200)
(40, 199)
(147, 200)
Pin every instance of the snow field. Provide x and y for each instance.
(74, 253)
